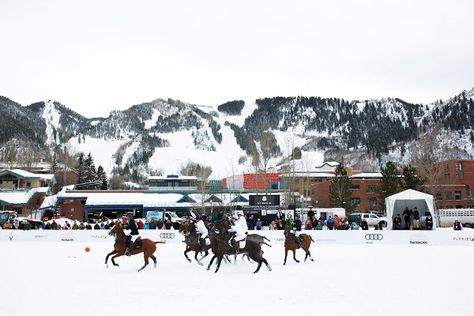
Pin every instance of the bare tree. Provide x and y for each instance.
(425, 153)
(202, 173)
(10, 154)
(116, 182)
(27, 156)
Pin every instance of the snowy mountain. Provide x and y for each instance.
(163, 136)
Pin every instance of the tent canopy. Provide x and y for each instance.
(396, 204)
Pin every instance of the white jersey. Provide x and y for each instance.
(239, 232)
(243, 223)
(201, 229)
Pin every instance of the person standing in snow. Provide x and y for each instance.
(298, 223)
(259, 224)
(429, 222)
(397, 222)
(406, 217)
(251, 222)
(330, 223)
(290, 222)
(416, 219)
(364, 225)
(457, 225)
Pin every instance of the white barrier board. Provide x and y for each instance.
(340, 237)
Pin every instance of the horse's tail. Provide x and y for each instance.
(311, 238)
(160, 242)
(266, 238)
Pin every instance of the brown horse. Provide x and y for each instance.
(291, 244)
(148, 247)
(191, 239)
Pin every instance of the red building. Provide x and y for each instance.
(364, 190)
(452, 183)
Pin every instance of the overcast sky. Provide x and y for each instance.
(95, 56)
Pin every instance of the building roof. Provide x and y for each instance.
(27, 175)
(14, 197)
(172, 178)
(97, 198)
(367, 175)
(328, 163)
(49, 201)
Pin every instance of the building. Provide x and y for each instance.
(83, 205)
(364, 189)
(15, 179)
(172, 183)
(22, 191)
(452, 184)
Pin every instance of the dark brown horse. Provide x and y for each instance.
(191, 239)
(220, 237)
(148, 247)
(291, 244)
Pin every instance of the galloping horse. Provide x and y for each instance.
(291, 244)
(148, 247)
(220, 236)
(191, 239)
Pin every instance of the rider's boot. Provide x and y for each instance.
(128, 250)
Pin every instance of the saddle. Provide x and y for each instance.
(298, 240)
(137, 244)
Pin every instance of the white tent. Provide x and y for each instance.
(395, 204)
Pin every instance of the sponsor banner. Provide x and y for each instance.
(324, 237)
(262, 200)
(373, 237)
(420, 239)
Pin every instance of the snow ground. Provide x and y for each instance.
(51, 278)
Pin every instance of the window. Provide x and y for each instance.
(457, 195)
(468, 191)
(355, 201)
(371, 188)
(355, 187)
(446, 168)
(449, 195)
(372, 201)
(458, 166)
(459, 175)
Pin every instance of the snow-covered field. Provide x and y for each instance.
(53, 278)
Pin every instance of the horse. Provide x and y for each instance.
(220, 237)
(148, 247)
(191, 239)
(291, 244)
(258, 239)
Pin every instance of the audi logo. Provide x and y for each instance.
(167, 235)
(373, 236)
